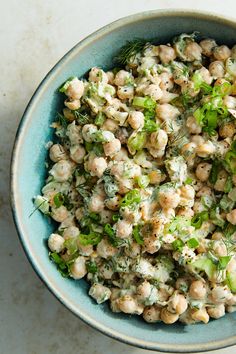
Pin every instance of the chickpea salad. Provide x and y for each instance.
(142, 181)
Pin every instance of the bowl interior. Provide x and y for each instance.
(28, 174)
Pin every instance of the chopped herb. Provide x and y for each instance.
(137, 141)
(71, 245)
(129, 51)
(143, 181)
(223, 262)
(131, 198)
(178, 245)
(100, 119)
(110, 232)
(137, 235)
(58, 200)
(188, 180)
(91, 267)
(193, 243)
(82, 117)
(199, 218)
(144, 102)
(66, 84)
(93, 238)
(62, 265)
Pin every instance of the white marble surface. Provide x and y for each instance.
(34, 34)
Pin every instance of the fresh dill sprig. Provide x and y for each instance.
(130, 50)
(37, 208)
(62, 120)
(82, 118)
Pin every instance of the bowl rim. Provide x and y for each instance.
(163, 347)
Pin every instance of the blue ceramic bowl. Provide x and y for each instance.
(28, 174)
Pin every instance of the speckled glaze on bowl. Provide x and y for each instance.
(28, 173)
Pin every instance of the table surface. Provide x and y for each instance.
(34, 34)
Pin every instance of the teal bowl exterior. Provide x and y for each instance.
(28, 173)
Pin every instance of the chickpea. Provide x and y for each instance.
(217, 235)
(167, 111)
(216, 311)
(57, 153)
(231, 217)
(97, 166)
(220, 294)
(77, 153)
(227, 130)
(177, 303)
(105, 249)
(204, 191)
(169, 199)
(56, 243)
(121, 155)
(187, 192)
(133, 251)
(231, 301)
(136, 120)
(220, 248)
(113, 203)
(197, 290)
(72, 105)
(168, 317)
(155, 177)
(111, 148)
(125, 92)
(167, 82)
(197, 139)
(200, 315)
(71, 232)
(110, 125)
(151, 314)
(97, 75)
(187, 212)
(68, 114)
(99, 292)
(154, 91)
(106, 271)
(205, 74)
(121, 78)
(182, 284)
(123, 229)
(74, 134)
(75, 89)
(206, 149)
(61, 171)
(231, 309)
(203, 171)
(127, 304)
(87, 132)
(193, 126)
(221, 180)
(217, 69)
(59, 214)
(159, 139)
(96, 203)
(193, 51)
(78, 268)
(221, 52)
(166, 54)
(198, 207)
(231, 267)
(125, 185)
(207, 46)
(144, 290)
(229, 102)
